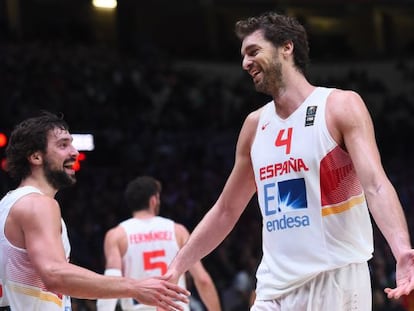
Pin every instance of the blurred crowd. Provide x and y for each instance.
(180, 124)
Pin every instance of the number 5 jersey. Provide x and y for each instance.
(152, 245)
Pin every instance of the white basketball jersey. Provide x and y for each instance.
(22, 287)
(152, 245)
(315, 217)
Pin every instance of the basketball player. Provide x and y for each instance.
(35, 274)
(145, 244)
(311, 156)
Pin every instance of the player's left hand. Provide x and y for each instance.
(404, 276)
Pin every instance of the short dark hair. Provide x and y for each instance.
(28, 137)
(278, 29)
(139, 191)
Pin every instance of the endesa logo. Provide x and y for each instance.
(283, 198)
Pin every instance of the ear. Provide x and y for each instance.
(36, 158)
(287, 48)
(152, 201)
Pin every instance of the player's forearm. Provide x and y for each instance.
(108, 304)
(389, 216)
(82, 283)
(208, 234)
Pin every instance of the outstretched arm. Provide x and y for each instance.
(222, 217)
(39, 219)
(202, 280)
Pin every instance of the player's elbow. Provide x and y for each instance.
(52, 278)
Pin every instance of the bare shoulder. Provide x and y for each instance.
(253, 117)
(36, 205)
(346, 113)
(345, 101)
(36, 199)
(115, 233)
(181, 230)
(181, 233)
(33, 218)
(248, 130)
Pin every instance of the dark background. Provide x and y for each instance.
(203, 29)
(159, 84)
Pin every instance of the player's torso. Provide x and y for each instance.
(307, 188)
(22, 287)
(286, 156)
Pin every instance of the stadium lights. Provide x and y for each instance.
(105, 4)
(3, 140)
(83, 142)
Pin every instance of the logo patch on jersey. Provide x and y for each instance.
(265, 125)
(310, 115)
(292, 195)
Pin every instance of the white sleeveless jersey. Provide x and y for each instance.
(315, 217)
(22, 287)
(152, 245)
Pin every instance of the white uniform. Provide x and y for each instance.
(315, 217)
(152, 245)
(22, 288)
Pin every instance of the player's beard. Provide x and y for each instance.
(58, 179)
(272, 79)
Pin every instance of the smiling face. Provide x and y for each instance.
(261, 60)
(59, 159)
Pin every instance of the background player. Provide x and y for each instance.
(145, 244)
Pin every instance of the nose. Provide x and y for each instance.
(246, 62)
(74, 152)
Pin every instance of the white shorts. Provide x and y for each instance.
(342, 289)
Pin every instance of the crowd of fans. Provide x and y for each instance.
(149, 116)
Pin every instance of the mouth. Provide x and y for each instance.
(69, 166)
(255, 74)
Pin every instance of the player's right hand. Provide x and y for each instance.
(162, 293)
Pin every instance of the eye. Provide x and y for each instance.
(63, 144)
(253, 52)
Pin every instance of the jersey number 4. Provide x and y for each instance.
(284, 139)
(152, 260)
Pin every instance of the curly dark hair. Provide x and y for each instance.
(28, 137)
(278, 29)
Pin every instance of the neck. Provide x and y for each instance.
(290, 97)
(143, 214)
(40, 184)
